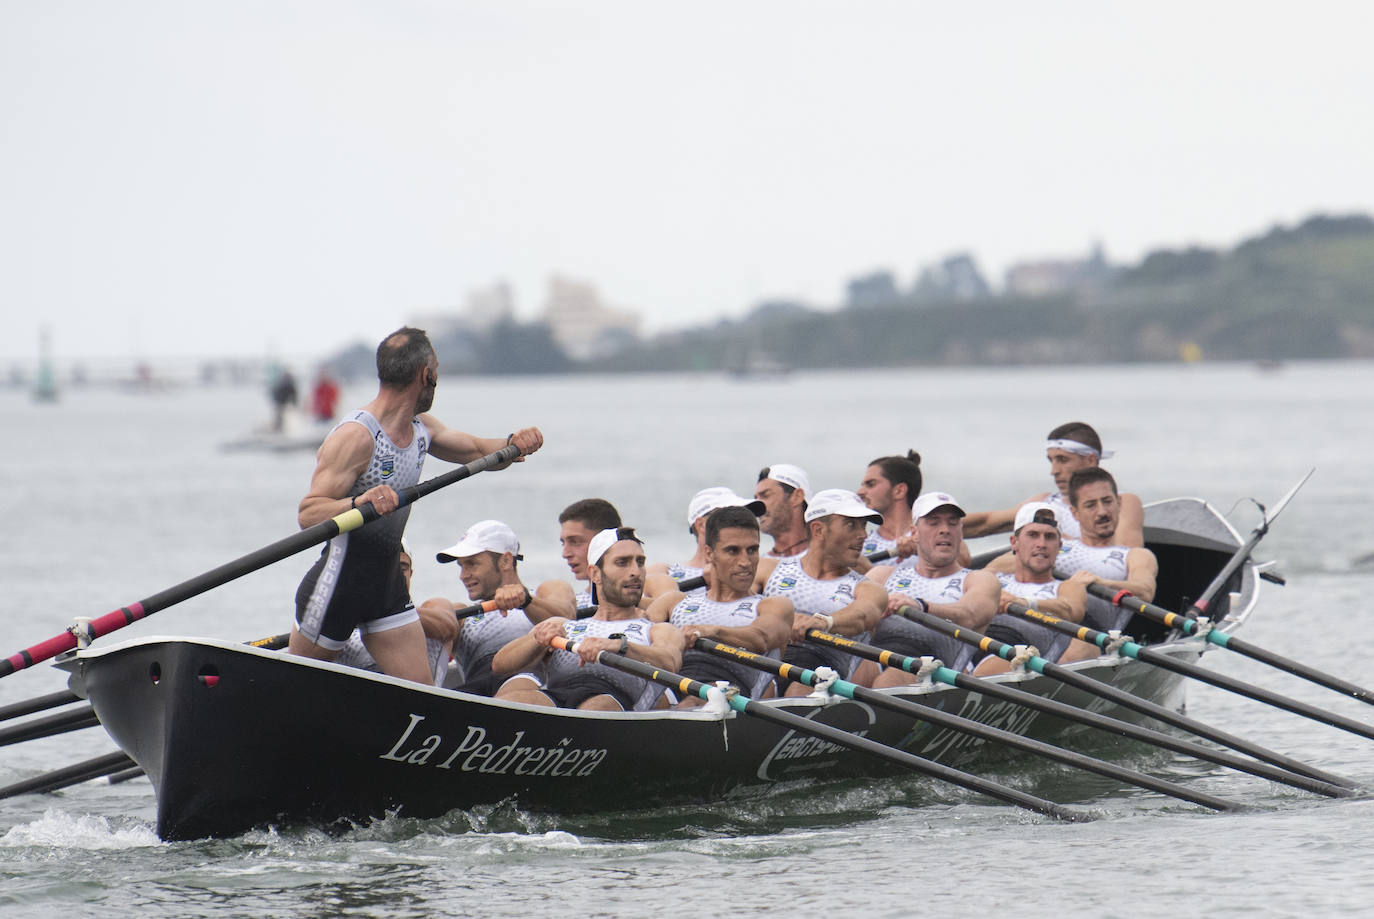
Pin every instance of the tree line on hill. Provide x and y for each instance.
(1292, 293)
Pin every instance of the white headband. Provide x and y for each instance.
(1074, 446)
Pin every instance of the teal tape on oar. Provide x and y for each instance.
(1004, 693)
(931, 715)
(283, 548)
(1120, 697)
(688, 687)
(1150, 656)
(1222, 639)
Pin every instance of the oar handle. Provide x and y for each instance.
(311, 536)
(689, 584)
(476, 609)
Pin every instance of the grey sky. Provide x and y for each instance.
(251, 177)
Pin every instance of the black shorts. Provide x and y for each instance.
(352, 586)
(916, 640)
(577, 688)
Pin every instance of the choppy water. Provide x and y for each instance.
(113, 497)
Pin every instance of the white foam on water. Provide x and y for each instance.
(59, 829)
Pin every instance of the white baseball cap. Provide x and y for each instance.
(793, 476)
(708, 499)
(1031, 512)
(483, 536)
(932, 501)
(602, 542)
(842, 502)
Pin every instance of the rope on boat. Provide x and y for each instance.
(825, 678)
(929, 665)
(1023, 655)
(1116, 641)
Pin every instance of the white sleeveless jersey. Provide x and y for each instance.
(1104, 561)
(699, 610)
(811, 595)
(485, 634)
(948, 589)
(875, 543)
(680, 572)
(1068, 523)
(1029, 590)
(565, 663)
(583, 599)
(390, 465)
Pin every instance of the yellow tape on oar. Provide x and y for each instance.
(350, 519)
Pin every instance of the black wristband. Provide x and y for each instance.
(510, 439)
(528, 597)
(925, 607)
(353, 502)
(624, 641)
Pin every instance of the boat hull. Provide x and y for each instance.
(234, 737)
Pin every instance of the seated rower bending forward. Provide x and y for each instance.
(615, 559)
(1097, 506)
(488, 556)
(937, 582)
(729, 610)
(825, 590)
(1035, 545)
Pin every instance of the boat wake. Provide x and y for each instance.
(58, 829)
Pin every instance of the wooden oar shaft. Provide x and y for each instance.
(60, 723)
(1005, 693)
(297, 542)
(1201, 674)
(1225, 640)
(83, 771)
(688, 687)
(1120, 697)
(927, 713)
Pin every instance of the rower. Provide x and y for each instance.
(783, 489)
(937, 581)
(615, 559)
(1097, 507)
(825, 590)
(488, 555)
(1070, 447)
(663, 578)
(890, 486)
(729, 610)
(1035, 542)
(577, 524)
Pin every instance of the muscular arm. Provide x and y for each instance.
(986, 523)
(342, 458)
(870, 600)
(975, 609)
(1130, 526)
(552, 599)
(456, 446)
(662, 607)
(528, 650)
(764, 572)
(1072, 599)
(771, 628)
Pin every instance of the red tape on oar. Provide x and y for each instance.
(311, 536)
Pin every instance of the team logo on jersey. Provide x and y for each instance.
(691, 607)
(1116, 555)
(786, 583)
(844, 590)
(746, 606)
(388, 466)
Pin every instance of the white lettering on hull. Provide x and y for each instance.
(474, 753)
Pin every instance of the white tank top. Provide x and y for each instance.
(1029, 590)
(565, 663)
(811, 595)
(699, 610)
(948, 589)
(1104, 561)
(485, 634)
(1068, 523)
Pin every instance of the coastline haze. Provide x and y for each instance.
(262, 180)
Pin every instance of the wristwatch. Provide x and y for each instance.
(624, 641)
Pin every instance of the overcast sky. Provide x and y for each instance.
(269, 176)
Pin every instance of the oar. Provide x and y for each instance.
(69, 775)
(932, 715)
(689, 687)
(60, 723)
(311, 536)
(1007, 693)
(476, 609)
(1239, 557)
(38, 704)
(1119, 696)
(1127, 600)
(1221, 681)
